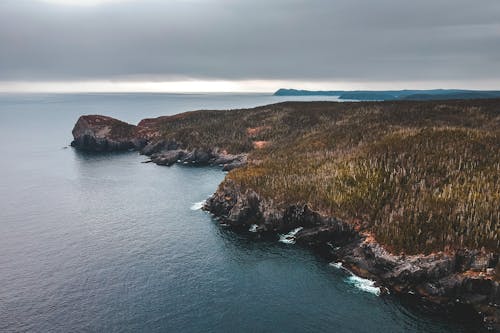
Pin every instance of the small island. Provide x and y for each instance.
(406, 193)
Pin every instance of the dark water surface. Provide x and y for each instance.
(104, 243)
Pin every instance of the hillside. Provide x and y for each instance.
(393, 95)
(421, 176)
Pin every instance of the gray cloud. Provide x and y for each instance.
(259, 39)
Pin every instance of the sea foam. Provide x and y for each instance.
(359, 282)
(198, 205)
(336, 264)
(364, 284)
(289, 238)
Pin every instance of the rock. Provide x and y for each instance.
(238, 162)
(482, 261)
(245, 207)
(168, 157)
(101, 133)
(153, 148)
(301, 215)
(224, 199)
(382, 261)
(168, 153)
(139, 143)
(156, 147)
(246, 211)
(430, 289)
(202, 156)
(463, 260)
(451, 284)
(233, 165)
(481, 286)
(188, 157)
(224, 158)
(438, 267)
(336, 233)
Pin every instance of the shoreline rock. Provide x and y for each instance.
(97, 133)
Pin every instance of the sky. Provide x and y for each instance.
(243, 45)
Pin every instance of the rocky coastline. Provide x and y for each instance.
(463, 278)
(105, 134)
(460, 280)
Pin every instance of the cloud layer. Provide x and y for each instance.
(335, 40)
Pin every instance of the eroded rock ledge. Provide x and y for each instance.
(170, 152)
(461, 279)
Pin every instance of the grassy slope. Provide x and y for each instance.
(421, 176)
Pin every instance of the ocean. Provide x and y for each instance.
(105, 243)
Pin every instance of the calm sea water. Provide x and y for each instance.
(104, 243)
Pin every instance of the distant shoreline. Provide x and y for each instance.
(395, 95)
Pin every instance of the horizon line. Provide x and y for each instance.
(201, 86)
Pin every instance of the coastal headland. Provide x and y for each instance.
(406, 193)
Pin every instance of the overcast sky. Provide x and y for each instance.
(320, 43)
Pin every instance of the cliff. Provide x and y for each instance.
(449, 280)
(101, 133)
(402, 192)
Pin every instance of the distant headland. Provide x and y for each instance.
(394, 95)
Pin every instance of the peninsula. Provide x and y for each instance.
(406, 193)
(394, 95)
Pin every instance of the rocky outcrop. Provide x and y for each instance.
(169, 153)
(465, 278)
(101, 133)
(104, 134)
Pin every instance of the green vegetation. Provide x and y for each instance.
(421, 176)
(122, 130)
(110, 127)
(207, 129)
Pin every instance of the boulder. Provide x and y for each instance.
(168, 157)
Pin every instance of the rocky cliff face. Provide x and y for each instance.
(243, 208)
(170, 152)
(465, 278)
(101, 133)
